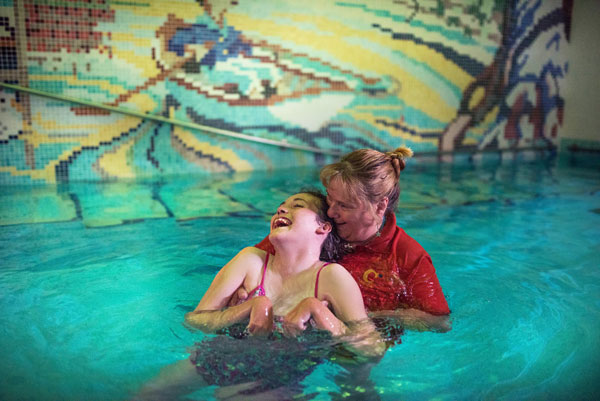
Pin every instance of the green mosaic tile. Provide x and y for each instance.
(20, 205)
(200, 199)
(117, 203)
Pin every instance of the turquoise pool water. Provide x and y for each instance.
(96, 278)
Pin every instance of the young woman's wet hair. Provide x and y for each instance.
(333, 246)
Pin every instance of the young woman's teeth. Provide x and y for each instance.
(281, 222)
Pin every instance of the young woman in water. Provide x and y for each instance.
(295, 285)
(292, 282)
(395, 274)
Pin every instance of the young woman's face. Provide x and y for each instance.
(355, 221)
(297, 214)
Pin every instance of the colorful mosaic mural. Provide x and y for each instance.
(438, 76)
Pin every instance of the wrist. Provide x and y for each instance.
(262, 302)
(311, 303)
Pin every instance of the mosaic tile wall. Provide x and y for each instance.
(438, 76)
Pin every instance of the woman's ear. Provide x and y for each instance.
(324, 228)
(381, 207)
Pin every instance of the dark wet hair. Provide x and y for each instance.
(332, 249)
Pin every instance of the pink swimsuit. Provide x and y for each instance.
(260, 289)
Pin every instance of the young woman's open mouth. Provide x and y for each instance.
(281, 222)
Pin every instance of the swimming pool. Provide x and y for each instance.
(96, 278)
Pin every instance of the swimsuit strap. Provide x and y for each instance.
(317, 280)
(264, 273)
(260, 289)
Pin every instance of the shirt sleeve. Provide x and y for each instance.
(424, 289)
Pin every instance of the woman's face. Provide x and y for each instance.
(355, 221)
(297, 214)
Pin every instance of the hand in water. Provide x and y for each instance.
(298, 318)
(261, 316)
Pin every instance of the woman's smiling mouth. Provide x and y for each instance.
(281, 222)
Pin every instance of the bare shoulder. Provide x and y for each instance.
(342, 291)
(336, 274)
(334, 269)
(245, 264)
(246, 259)
(252, 252)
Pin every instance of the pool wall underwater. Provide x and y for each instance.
(112, 89)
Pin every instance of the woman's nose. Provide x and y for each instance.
(332, 211)
(281, 210)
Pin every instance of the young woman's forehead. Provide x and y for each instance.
(303, 197)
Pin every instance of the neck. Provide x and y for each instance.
(290, 259)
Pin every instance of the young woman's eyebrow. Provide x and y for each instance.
(294, 200)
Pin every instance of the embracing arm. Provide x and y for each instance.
(426, 309)
(210, 314)
(259, 309)
(415, 319)
(297, 319)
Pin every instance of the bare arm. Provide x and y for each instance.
(259, 310)
(297, 319)
(210, 314)
(415, 319)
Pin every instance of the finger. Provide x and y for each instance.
(233, 301)
(242, 294)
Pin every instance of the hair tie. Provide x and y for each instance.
(398, 162)
(396, 166)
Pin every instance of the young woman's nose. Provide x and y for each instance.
(281, 209)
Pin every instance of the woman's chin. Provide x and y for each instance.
(278, 232)
(345, 236)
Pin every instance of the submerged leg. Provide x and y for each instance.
(172, 382)
(243, 392)
(355, 384)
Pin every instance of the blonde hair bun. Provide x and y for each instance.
(403, 152)
(398, 157)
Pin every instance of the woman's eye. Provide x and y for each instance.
(298, 205)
